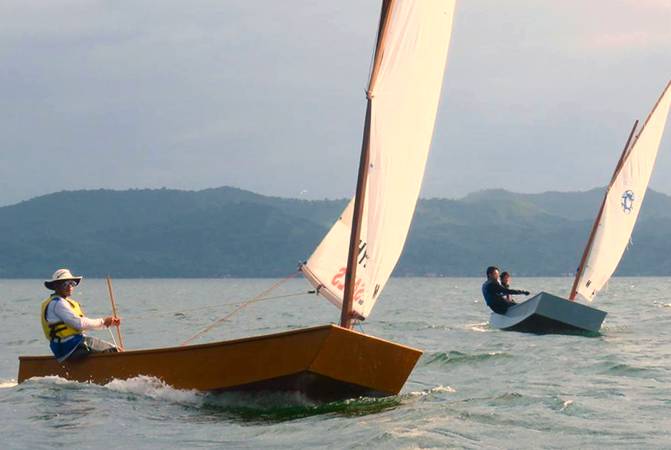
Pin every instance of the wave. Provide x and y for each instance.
(22, 342)
(454, 357)
(626, 370)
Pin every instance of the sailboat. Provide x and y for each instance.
(607, 242)
(351, 265)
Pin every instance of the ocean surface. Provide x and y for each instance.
(474, 387)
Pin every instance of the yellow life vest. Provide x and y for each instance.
(59, 330)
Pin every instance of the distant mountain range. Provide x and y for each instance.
(228, 232)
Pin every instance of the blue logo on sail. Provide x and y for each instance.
(627, 201)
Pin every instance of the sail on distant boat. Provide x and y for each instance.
(403, 96)
(352, 264)
(607, 242)
(622, 204)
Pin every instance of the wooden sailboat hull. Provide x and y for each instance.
(546, 313)
(325, 363)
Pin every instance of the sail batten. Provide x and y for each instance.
(403, 96)
(622, 203)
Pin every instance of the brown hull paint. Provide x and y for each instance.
(326, 362)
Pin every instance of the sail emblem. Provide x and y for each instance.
(627, 201)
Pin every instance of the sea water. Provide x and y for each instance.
(474, 387)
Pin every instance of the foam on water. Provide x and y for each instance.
(442, 388)
(4, 384)
(434, 390)
(52, 379)
(482, 327)
(154, 388)
(566, 404)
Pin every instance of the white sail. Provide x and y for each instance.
(404, 96)
(623, 203)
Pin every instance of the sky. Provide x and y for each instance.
(269, 96)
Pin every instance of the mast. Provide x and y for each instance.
(592, 233)
(355, 236)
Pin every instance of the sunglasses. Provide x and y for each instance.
(69, 283)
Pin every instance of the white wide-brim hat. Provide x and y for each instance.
(61, 275)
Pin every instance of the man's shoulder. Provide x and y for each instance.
(52, 299)
(62, 301)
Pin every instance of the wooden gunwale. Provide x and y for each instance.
(227, 342)
(186, 348)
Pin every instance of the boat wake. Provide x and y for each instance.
(257, 406)
(156, 389)
(274, 407)
(440, 389)
(52, 380)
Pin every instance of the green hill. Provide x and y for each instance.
(228, 232)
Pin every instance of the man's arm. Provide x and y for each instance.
(502, 290)
(64, 311)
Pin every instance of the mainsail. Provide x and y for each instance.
(403, 96)
(622, 203)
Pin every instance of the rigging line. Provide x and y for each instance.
(258, 298)
(112, 335)
(275, 297)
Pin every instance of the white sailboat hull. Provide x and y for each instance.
(546, 313)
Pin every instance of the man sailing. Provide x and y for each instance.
(495, 294)
(64, 322)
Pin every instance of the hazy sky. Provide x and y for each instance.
(269, 95)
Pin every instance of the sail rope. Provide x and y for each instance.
(218, 305)
(112, 335)
(260, 297)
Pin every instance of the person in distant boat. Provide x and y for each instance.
(64, 322)
(505, 282)
(495, 294)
